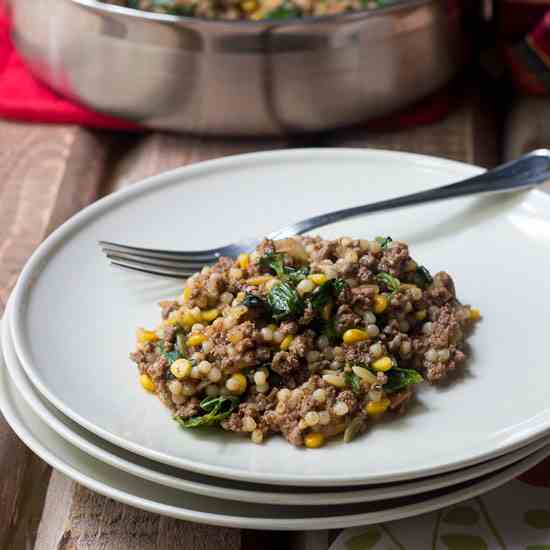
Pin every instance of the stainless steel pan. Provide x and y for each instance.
(240, 77)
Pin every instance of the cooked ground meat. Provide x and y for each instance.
(304, 337)
(249, 9)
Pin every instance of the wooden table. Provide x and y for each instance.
(47, 173)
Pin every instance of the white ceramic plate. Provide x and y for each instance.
(74, 317)
(229, 489)
(134, 491)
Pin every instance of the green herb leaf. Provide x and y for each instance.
(171, 356)
(354, 382)
(328, 290)
(217, 409)
(399, 379)
(328, 329)
(275, 262)
(283, 12)
(390, 282)
(210, 403)
(384, 242)
(296, 275)
(257, 303)
(422, 277)
(284, 302)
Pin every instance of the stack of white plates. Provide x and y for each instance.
(70, 392)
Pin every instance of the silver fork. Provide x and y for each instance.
(524, 173)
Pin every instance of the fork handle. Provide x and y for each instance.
(524, 173)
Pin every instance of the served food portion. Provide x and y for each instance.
(250, 9)
(304, 337)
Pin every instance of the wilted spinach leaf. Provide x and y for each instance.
(256, 303)
(399, 379)
(322, 296)
(422, 277)
(170, 356)
(354, 382)
(296, 275)
(283, 12)
(275, 262)
(284, 302)
(384, 242)
(328, 329)
(217, 409)
(390, 282)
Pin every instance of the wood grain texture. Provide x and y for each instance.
(88, 520)
(34, 177)
(468, 134)
(527, 126)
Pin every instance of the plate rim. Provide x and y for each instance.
(33, 400)
(32, 267)
(210, 518)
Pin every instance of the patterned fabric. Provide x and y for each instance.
(513, 517)
(528, 59)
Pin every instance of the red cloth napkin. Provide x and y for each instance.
(22, 97)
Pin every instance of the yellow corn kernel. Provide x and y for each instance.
(186, 295)
(318, 278)
(210, 315)
(181, 368)
(248, 6)
(187, 319)
(375, 408)
(314, 440)
(147, 383)
(287, 340)
(475, 314)
(380, 303)
(244, 259)
(259, 280)
(383, 364)
(326, 312)
(196, 339)
(236, 383)
(146, 336)
(420, 315)
(353, 335)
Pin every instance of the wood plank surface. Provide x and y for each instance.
(33, 171)
(49, 172)
(89, 520)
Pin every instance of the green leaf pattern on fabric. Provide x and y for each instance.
(463, 542)
(538, 519)
(365, 541)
